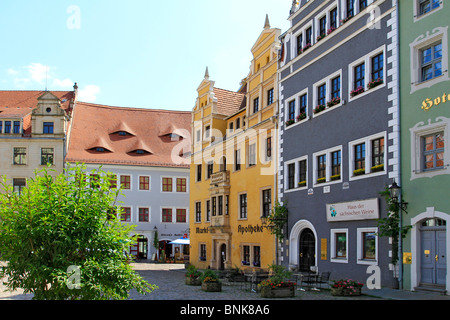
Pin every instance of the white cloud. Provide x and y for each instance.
(89, 93)
(13, 72)
(66, 83)
(38, 72)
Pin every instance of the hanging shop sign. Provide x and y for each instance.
(428, 103)
(356, 210)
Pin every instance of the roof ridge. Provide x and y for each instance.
(129, 108)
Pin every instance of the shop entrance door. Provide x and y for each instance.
(433, 253)
(307, 252)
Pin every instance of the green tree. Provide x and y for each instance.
(62, 239)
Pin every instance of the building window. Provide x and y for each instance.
(125, 215)
(144, 183)
(20, 156)
(377, 67)
(431, 62)
(209, 169)
(243, 206)
(47, 156)
(167, 184)
(367, 245)
(368, 239)
(303, 103)
(202, 256)
(125, 182)
(300, 44)
(339, 245)
(220, 205)
(359, 76)
(268, 148)
(302, 165)
(18, 185)
(214, 206)
(16, 127)
(292, 110)
(255, 105)
(350, 9)
(199, 172)
(1, 127)
(362, 5)
(378, 152)
(167, 215)
(322, 94)
(257, 256)
(48, 127)
(237, 160)
(181, 216)
(112, 178)
(336, 165)
(367, 156)
(252, 155)
(198, 212)
(291, 176)
(181, 184)
(336, 87)
(360, 157)
(426, 6)
(208, 210)
(308, 36)
(246, 255)
(433, 151)
(7, 126)
(266, 202)
(321, 168)
(270, 97)
(144, 215)
(333, 19)
(238, 123)
(323, 26)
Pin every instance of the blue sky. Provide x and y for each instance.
(137, 53)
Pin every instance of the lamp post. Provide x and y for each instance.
(396, 197)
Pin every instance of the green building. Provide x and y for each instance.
(424, 138)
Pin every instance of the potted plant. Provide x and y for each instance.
(319, 108)
(278, 285)
(359, 172)
(302, 184)
(377, 168)
(321, 180)
(307, 46)
(290, 122)
(333, 102)
(301, 116)
(374, 83)
(320, 37)
(357, 91)
(210, 281)
(335, 177)
(331, 30)
(346, 288)
(193, 276)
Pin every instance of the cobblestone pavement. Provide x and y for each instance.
(170, 280)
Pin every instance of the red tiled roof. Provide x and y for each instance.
(228, 102)
(19, 104)
(96, 126)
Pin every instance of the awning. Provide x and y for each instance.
(181, 241)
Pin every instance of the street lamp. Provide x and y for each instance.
(395, 192)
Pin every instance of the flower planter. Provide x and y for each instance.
(212, 286)
(345, 292)
(278, 292)
(193, 281)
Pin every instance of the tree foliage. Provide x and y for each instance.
(64, 221)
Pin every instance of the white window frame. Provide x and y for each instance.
(359, 246)
(368, 160)
(325, 13)
(420, 43)
(328, 153)
(328, 85)
(333, 257)
(417, 133)
(416, 10)
(296, 161)
(367, 60)
(296, 97)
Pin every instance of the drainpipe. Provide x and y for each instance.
(400, 239)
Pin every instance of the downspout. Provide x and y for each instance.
(400, 238)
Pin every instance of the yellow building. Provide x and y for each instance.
(234, 163)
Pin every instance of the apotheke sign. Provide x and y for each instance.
(356, 210)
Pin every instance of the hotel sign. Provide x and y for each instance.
(356, 210)
(428, 103)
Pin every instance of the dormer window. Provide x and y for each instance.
(122, 133)
(99, 150)
(48, 127)
(140, 152)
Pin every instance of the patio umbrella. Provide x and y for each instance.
(180, 241)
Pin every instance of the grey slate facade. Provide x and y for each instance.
(334, 163)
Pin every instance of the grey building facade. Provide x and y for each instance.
(338, 135)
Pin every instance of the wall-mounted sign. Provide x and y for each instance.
(323, 249)
(201, 230)
(407, 258)
(428, 103)
(250, 229)
(356, 210)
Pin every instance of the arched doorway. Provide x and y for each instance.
(223, 256)
(307, 251)
(433, 254)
